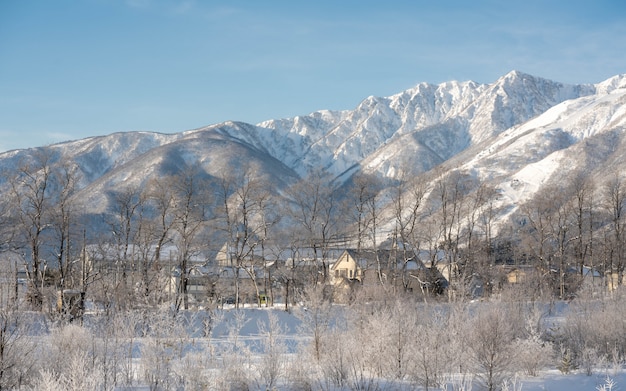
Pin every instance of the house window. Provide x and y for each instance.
(337, 273)
(350, 273)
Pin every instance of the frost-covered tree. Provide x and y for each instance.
(490, 343)
(274, 351)
(430, 347)
(126, 208)
(316, 316)
(32, 199)
(313, 212)
(17, 350)
(244, 219)
(614, 202)
(407, 197)
(191, 208)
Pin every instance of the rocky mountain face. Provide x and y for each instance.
(427, 125)
(519, 134)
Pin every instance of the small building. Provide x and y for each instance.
(200, 283)
(393, 268)
(349, 266)
(224, 257)
(518, 274)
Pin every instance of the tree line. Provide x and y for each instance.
(124, 256)
(392, 344)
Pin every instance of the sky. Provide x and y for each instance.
(71, 69)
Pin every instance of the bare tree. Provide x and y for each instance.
(392, 352)
(9, 295)
(163, 199)
(268, 217)
(251, 205)
(373, 216)
(296, 268)
(243, 201)
(478, 244)
(154, 233)
(359, 194)
(560, 222)
(32, 194)
(554, 219)
(615, 206)
(191, 203)
(429, 347)
(316, 318)
(17, 350)
(450, 195)
(537, 234)
(490, 345)
(274, 349)
(584, 215)
(486, 222)
(64, 221)
(127, 207)
(362, 204)
(67, 351)
(313, 208)
(408, 198)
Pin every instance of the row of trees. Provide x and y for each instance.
(129, 250)
(392, 345)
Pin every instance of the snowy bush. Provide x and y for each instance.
(491, 345)
(532, 355)
(272, 368)
(609, 385)
(365, 346)
(17, 350)
(594, 332)
(68, 356)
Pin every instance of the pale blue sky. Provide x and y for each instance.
(73, 69)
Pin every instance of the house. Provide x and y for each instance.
(567, 282)
(357, 264)
(518, 274)
(199, 282)
(13, 278)
(395, 268)
(349, 266)
(446, 272)
(425, 279)
(224, 257)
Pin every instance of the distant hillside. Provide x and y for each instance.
(519, 134)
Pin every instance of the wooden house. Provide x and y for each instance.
(349, 266)
(395, 268)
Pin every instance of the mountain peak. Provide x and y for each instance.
(505, 132)
(515, 77)
(611, 84)
(516, 74)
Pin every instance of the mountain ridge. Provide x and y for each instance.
(499, 131)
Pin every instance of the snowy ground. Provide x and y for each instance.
(209, 344)
(548, 380)
(556, 381)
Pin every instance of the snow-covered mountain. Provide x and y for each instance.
(427, 124)
(518, 133)
(584, 136)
